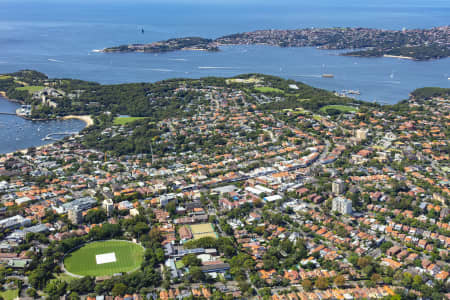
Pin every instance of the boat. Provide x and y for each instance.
(353, 92)
(142, 31)
(327, 76)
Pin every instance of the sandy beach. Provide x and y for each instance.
(398, 56)
(86, 119)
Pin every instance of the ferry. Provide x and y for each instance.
(327, 75)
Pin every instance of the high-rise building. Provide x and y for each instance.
(338, 187)
(108, 206)
(75, 215)
(342, 205)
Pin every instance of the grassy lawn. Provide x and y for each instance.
(4, 77)
(266, 89)
(10, 294)
(179, 264)
(241, 80)
(64, 277)
(126, 120)
(129, 256)
(342, 108)
(296, 111)
(31, 88)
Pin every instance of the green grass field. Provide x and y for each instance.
(266, 89)
(342, 108)
(4, 77)
(64, 277)
(126, 120)
(31, 88)
(10, 294)
(129, 256)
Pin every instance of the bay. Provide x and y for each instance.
(18, 133)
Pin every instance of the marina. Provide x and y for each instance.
(19, 133)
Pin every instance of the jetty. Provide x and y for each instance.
(54, 136)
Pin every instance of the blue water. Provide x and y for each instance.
(57, 38)
(17, 133)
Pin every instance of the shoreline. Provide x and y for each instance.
(85, 118)
(398, 56)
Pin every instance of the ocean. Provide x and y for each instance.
(58, 38)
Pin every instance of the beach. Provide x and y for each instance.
(398, 56)
(85, 118)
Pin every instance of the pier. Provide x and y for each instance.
(51, 136)
(8, 114)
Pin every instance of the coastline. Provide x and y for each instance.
(85, 118)
(398, 56)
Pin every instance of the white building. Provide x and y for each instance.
(75, 215)
(342, 205)
(338, 187)
(361, 134)
(108, 206)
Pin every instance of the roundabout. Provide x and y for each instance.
(104, 258)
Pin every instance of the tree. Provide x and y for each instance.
(56, 288)
(385, 246)
(375, 278)
(83, 285)
(321, 283)
(417, 281)
(363, 262)
(95, 216)
(140, 228)
(307, 284)
(407, 279)
(339, 280)
(32, 293)
(74, 296)
(191, 260)
(119, 289)
(196, 274)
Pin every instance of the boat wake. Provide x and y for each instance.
(55, 60)
(223, 68)
(392, 81)
(178, 59)
(310, 76)
(159, 70)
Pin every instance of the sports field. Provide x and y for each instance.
(104, 258)
(126, 120)
(341, 108)
(203, 230)
(31, 89)
(267, 89)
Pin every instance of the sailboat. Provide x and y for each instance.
(142, 31)
(392, 75)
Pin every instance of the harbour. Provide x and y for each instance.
(18, 133)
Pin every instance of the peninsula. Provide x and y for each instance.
(418, 44)
(187, 43)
